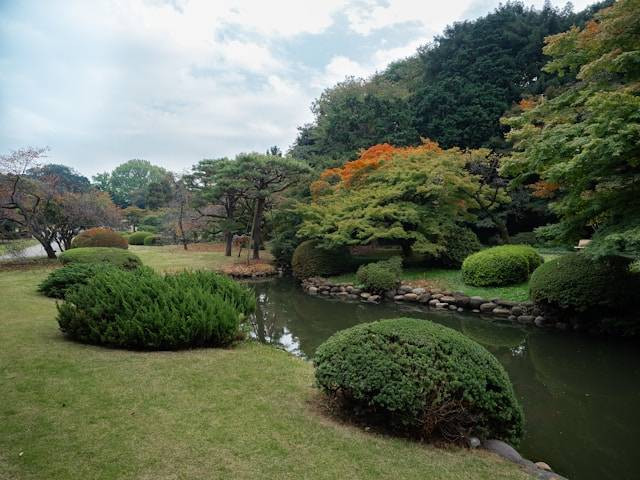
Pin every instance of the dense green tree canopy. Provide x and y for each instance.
(584, 141)
(129, 182)
(453, 91)
(65, 179)
(409, 197)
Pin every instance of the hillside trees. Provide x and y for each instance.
(583, 141)
(453, 91)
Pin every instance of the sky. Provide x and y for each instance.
(174, 81)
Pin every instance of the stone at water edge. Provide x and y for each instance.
(313, 290)
(543, 466)
(503, 449)
(473, 442)
(412, 297)
(418, 291)
(487, 307)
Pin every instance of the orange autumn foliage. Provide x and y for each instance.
(370, 159)
(527, 104)
(542, 189)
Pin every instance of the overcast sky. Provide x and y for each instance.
(175, 81)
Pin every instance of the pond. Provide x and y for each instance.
(581, 395)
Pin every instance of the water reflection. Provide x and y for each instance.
(581, 396)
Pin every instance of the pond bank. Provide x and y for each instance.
(524, 313)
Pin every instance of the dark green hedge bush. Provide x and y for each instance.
(380, 276)
(578, 283)
(420, 378)
(137, 238)
(141, 309)
(500, 266)
(459, 243)
(114, 256)
(99, 237)
(309, 260)
(62, 280)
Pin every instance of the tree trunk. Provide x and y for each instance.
(255, 229)
(406, 249)
(502, 229)
(228, 243)
(51, 253)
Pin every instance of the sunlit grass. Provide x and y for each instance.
(74, 411)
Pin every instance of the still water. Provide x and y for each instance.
(581, 395)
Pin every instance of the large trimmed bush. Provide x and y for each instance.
(99, 237)
(114, 256)
(62, 280)
(137, 238)
(143, 310)
(419, 378)
(500, 266)
(577, 283)
(310, 261)
(380, 276)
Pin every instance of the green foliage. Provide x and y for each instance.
(99, 237)
(413, 199)
(114, 256)
(500, 266)
(144, 310)
(137, 238)
(459, 243)
(578, 283)
(380, 276)
(525, 238)
(150, 240)
(65, 178)
(285, 223)
(310, 260)
(62, 280)
(421, 378)
(129, 182)
(453, 90)
(582, 140)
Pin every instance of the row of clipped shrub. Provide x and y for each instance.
(106, 237)
(380, 276)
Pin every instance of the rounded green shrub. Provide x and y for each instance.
(114, 256)
(151, 240)
(309, 260)
(500, 266)
(380, 276)
(420, 378)
(459, 243)
(137, 238)
(141, 309)
(99, 237)
(576, 282)
(62, 280)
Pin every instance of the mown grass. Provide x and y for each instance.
(171, 258)
(74, 411)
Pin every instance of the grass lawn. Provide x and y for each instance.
(201, 256)
(73, 411)
(452, 280)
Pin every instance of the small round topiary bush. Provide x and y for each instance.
(380, 276)
(309, 260)
(99, 237)
(143, 310)
(500, 266)
(152, 240)
(62, 280)
(114, 256)
(577, 283)
(137, 238)
(420, 378)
